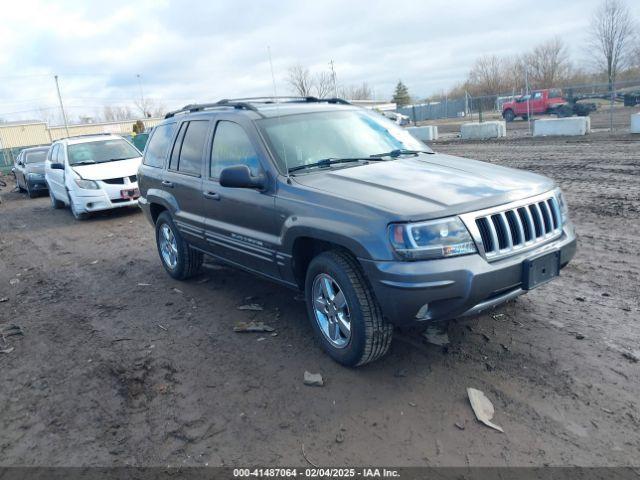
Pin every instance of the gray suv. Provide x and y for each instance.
(374, 227)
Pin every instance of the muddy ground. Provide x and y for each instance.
(120, 365)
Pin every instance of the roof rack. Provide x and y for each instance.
(198, 107)
(287, 99)
(247, 103)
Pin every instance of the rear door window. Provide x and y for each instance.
(189, 152)
(156, 151)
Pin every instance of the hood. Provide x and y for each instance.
(106, 170)
(429, 186)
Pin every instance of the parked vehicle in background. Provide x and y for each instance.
(374, 227)
(549, 101)
(396, 117)
(29, 170)
(538, 102)
(90, 173)
(139, 141)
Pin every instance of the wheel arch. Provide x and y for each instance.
(305, 246)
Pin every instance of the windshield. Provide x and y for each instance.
(101, 151)
(307, 138)
(36, 157)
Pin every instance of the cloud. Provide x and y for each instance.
(191, 51)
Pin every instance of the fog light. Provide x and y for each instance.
(423, 313)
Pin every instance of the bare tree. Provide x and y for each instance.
(636, 53)
(116, 113)
(149, 107)
(323, 85)
(300, 80)
(489, 75)
(611, 35)
(49, 116)
(548, 64)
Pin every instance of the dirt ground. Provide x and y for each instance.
(121, 365)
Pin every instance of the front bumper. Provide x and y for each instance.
(106, 198)
(37, 184)
(454, 287)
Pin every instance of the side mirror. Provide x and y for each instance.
(239, 176)
(56, 166)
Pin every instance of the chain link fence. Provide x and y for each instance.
(626, 92)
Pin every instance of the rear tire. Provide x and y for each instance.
(369, 335)
(55, 203)
(177, 257)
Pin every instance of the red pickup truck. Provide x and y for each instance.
(540, 101)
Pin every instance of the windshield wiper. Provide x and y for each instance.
(326, 162)
(400, 151)
(84, 162)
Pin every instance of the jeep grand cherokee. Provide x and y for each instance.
(336, 200)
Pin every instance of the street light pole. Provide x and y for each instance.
(333, 78)
(64, 115)
(142, 107)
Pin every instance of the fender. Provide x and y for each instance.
(168, 201)
(348, 236)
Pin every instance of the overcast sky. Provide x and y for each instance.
(207, 50)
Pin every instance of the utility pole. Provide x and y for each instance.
(64, 115)
(144, 113)
(526, 91)
(333, 78)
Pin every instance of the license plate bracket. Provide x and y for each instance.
(540, 270)
(130, 193)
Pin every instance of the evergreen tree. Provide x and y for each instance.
(401, 95)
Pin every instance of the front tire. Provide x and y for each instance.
(178, 258)
(508, 115)
(55, 203)
(77, 214)
(345, 316)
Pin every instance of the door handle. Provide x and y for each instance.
(211, 195)
(167, 183)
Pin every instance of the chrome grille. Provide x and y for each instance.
(509, 229)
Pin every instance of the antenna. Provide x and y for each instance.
(277, 102)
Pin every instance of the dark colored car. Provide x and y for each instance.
(29, 170)
(335, 200)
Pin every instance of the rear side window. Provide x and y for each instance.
(158, 145)
(231, 146)
(189, 153)
(555, 93)
(36, 157)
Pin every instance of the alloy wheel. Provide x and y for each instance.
(168, 246)
(331, 310)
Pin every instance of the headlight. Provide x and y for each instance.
(564, 209)
(87, 184)
(447, 237)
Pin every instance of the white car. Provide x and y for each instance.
(398, 118)
(90, 173)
